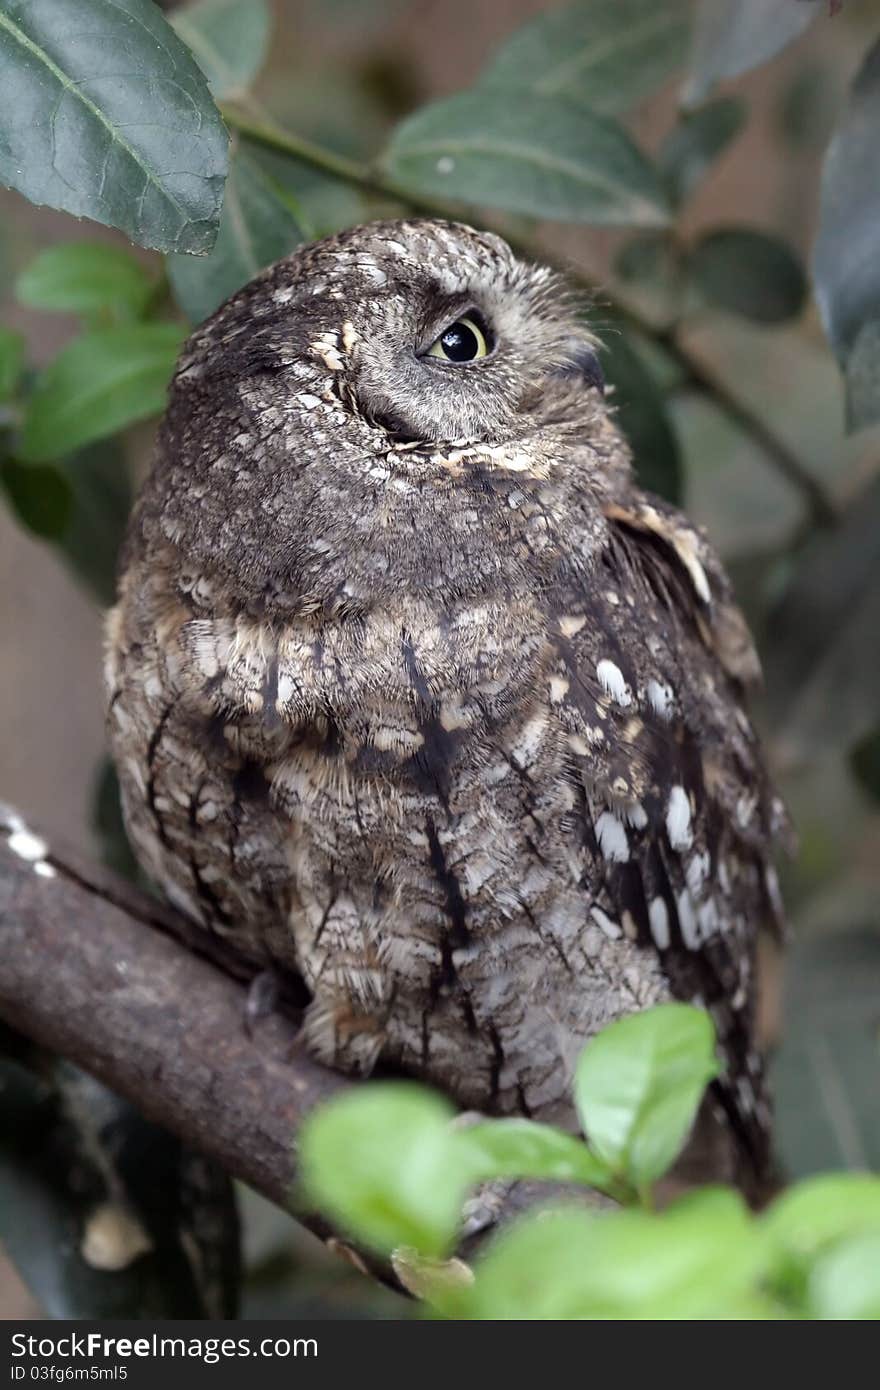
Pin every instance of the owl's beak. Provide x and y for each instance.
(582, 360)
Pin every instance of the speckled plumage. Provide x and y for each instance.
(413, 691)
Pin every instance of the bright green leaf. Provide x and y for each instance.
(98, 384)
(748, 273)
(106, 115)
(691, 1261)
(809, 1218)
(549, 157)
(643, 417)
(608, 53)
(83, 277)
(11, 361)
(693, 145)
(525, 1149)
(228, 39)
(733, 36)
(844, 1283)
(638, 1086)
(383, 1162)
(257, 227)
(40, 496)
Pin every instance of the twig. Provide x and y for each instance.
(698, 376)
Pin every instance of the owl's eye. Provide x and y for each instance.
(462, 341)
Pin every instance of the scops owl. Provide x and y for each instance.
(415, 692)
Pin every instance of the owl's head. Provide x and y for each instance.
(351, 379)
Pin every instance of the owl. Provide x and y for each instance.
(416, 694)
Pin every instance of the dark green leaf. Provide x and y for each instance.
(821, 655)
(11, 361)
(862, 375)
(104, 1214)
(108, 824)
(647, 258)
(733, 36)
(826, 1073)
(257, 227)
(98, 384)
(525, 1149)
(864, 760)
(644, 418)
(845, 269)
(384, 1163)
(228, 39)
(107, 116)
(638, 1085)
(101, 502)
(693, 145)
(844, 1283)
(83, 277)
(692, 1261)
(748, 273)
(39, 495)
(608, 53)
(549, 157)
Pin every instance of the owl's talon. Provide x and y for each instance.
(263, 995)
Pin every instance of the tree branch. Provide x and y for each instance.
(259, 128)
(107, 977)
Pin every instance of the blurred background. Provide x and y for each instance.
(343, 72)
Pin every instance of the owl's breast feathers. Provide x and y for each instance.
(480, 829)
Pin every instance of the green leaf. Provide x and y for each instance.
(39, 495)
(549, 157)
(694, 1260)
(864, 759)
(98, 384)
(108, 824)
(809, 1218)
(101, 502)
(733, 36)
(638, 1086)
(693, 145)
(257, 227)
(83, 277)
(643, 417)
(106, 115)
(384, 1163)
(821, 655)
(11, 361)
(748, 273)
(526, 1149)
(228, 39)
(845, 1282)
(608, 53)
(845, 270)
(862, 377)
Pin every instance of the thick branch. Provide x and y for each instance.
(98, 973)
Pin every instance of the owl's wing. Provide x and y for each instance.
(651, 661)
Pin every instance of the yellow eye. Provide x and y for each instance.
(462, 341)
